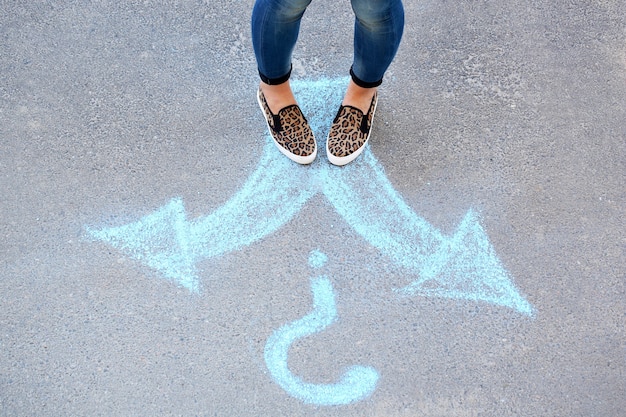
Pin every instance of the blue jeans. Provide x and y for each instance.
(377, 32)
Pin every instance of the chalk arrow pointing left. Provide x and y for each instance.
(461, 266)
(170, 243)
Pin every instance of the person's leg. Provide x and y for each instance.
(378, 30)
(275, 28)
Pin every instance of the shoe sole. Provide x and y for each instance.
(302, 160)
(344, 160)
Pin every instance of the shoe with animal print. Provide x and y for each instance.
(290, 131)
(349, 133)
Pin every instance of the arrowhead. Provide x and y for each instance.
(159, 240)
(467, 267)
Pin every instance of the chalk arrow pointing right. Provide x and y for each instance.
(461, 266)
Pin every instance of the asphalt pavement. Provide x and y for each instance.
(160, 258)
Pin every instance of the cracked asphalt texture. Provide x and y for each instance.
(110, 109)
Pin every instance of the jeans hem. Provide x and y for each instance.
(364, 84)
(275, 81)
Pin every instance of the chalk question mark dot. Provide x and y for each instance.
(317, 259)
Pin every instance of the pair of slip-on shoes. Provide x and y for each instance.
(294, 138)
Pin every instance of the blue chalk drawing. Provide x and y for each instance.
(461, 266)
(357, 382)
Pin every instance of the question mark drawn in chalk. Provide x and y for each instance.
(463, 265)
(357, 383)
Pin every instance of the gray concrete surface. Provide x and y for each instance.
(109, 109)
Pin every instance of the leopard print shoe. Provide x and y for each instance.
(349, 133)
(290, 131)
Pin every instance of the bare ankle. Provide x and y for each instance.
(278, 96)
(359, 97)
